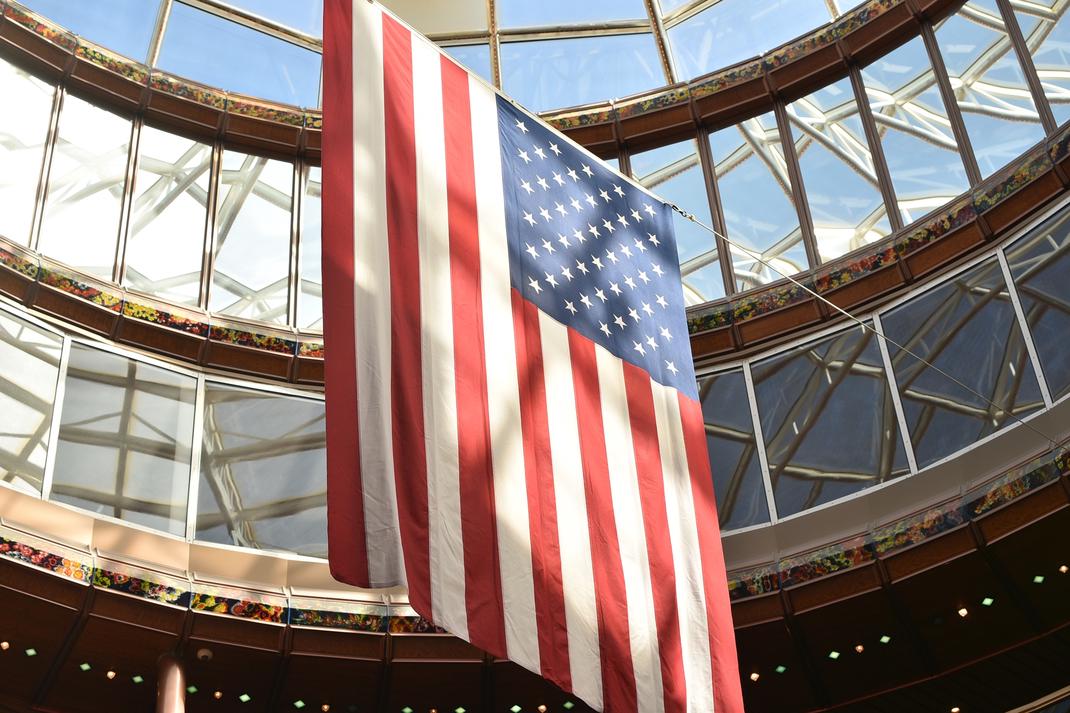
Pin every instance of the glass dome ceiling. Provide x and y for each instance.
(548, 55)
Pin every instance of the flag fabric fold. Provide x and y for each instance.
(513, 425)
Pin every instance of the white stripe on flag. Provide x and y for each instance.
(439, 385)
(372, 299)
(680, 508)
(628, 512)
(577, 570)
(503, 390)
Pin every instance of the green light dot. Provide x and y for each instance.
(245, 698)
(137, 679)
(781, 669)
(1039, 579)
(885, 639)
(987, 601)
(834, 655)
(299, 704)
(84, 666)
(191, 689)
(515, 708)
(459, 709)
(31, 652)
(406, 709)
(569, 705)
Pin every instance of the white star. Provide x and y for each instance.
(605, 196)
(644, 278)
(578, 235)
(661, 301)
(553, 147)
(671, 367)
(540, 153)
(612, 257)
(615, 288)
(599, 294)
(619, 321)
(542, 183)
(586, 301)
(550, 280)
(563, 240)
(582, 267)
(527, 187)
(622, 220)
(647, 309)
(608, 226)
(653, 239)
(639, 348)
(560, 208)
(524, 155)
(633, 314)
(572, 174)
(590, 199)
(657, 269)
(520, 125)
(566, 273)
(665, 334)
(529, 217)
(548, 247)
(649, 209)
(604, 328)
(592, 230)
(617, 190)
(545, 214)
(652, 343)
(558, 180)
(629, 282)
(587, 169)
(639, 245)
(534, 285)
(531, 250)
(597, 262)
(625, 249)
(636, 216)
(576, 205)
(570, 307)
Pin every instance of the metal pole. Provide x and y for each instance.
(170, 685)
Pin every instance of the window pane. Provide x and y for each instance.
(919, 146)
(1040, 263)
(737, 472)
(837, 168)
(733, 30)
(252, 248)
(85, 187)
(475, 57)
(165, 243)
(302, 15)
(966, 327)
(125, 440)
(22, 146)
(550, 74)
(674, 173)
(310, 297)
(263, 480)
(29, 367)
(828, 420)
(989, 84)
(224, 54)
(759, 208)
(523, 13)
(122, 25)
(1046, 29)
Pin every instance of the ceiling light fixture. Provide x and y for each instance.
(1039, 579)
(1064, 569)
(110, 675)
(4, 645)
(886, 639)
(780, 669)
(325, 707)
(955, 709)
(245, 698)
(834, 655)
(31, 652)
(569, 705)
(755, 676)
(137, 679)
(217, 695)
(859, 648)
(84, 666)
(987, 602)
(191, 689)
(963, 612)
(299, 704)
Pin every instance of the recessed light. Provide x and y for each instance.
(245, 698)
(137, 679)
(325, 707)
(780, 669)
(859, 648)
(110, 675)
(987, 602)
(955, 709)
(541, 708)
(84, 666)
(834, 655)
(31, 652)
(964, 612)
(1064, 569)
(217, 695)
(886, 639)
(755, 676)
(4, 645)
(1039, 579)
(299, 704)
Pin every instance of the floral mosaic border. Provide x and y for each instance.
(115, 63)
(65, 282)
(239, 337)
(906, 532)
(40, 26)
(164, 318)
(34, 556)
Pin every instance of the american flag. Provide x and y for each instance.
(512, 418)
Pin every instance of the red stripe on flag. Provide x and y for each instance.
(727, 691)
(644, 429)
(483, 591)
(345, 521)
(614, 641)
(410, 464)
(542, 502)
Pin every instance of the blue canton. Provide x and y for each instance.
(593, 251)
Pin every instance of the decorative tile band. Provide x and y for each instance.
(353, 621)
(25, 266)
(311, 350)
(240, 337)
(135, 72)
(155, 315)
(66, 283)
(267, 112)
(40, 27)
(236, 606)
(36, 556)
(189, 91)
(143, 587)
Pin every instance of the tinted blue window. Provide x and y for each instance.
(475, 57)
(121, 25)
(302, 15)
